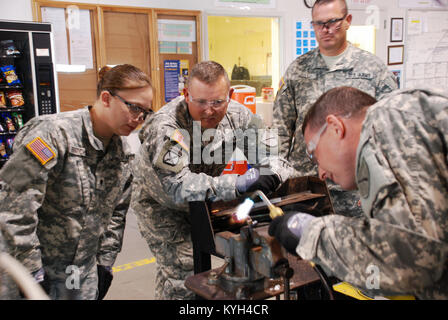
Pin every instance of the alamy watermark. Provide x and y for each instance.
(212, 146)
(73, 279)
(373, 278)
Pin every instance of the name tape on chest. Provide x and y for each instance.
(40, 150)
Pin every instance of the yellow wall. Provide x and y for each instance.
(246, 41)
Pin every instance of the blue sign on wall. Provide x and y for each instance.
(171, 69)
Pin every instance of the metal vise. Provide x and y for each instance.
(251, 258)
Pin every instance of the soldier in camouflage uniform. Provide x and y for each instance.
(65, 190)
(334, 63)
(185, 147)
(394, 152)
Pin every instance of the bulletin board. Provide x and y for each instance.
(179, 45)
(426, 49)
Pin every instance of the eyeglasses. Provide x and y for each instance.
(332, 24)
(134, 109)
(213, 103)
(312, 145)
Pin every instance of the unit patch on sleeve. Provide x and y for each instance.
(172, 157)
(41, 150)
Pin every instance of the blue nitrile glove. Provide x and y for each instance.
(252, 180)
(289, 228)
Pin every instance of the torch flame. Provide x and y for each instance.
(243, 210)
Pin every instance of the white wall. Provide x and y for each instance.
(288, 10)
(16, 10)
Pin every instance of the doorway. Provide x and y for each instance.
(248, 48)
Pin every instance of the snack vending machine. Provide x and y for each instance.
(28, 79)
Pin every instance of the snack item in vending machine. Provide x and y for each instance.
(9, 123)
(2, 100)
(9, 144)
(18, 119)
(16, 98)
(8, 48)
(10, 74)
(3, 153)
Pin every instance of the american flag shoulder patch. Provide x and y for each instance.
(40, 150)
(179, 138)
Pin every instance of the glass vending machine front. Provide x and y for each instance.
(16, 88)
(28, 86)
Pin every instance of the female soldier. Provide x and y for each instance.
(65, 190)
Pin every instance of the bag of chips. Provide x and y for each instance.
(10, 75)
(3, 153)
(16, 98)
(8, 121)
(18, 119)
(2, 100)
(9, 144)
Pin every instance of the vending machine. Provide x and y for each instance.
(28, 79)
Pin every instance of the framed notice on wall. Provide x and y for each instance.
(396, 29)
(395, 55)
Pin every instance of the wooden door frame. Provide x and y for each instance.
(99, 38)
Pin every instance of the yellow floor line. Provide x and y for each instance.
(134, 264)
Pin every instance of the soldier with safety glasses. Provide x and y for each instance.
(335, 62)
(186, 146)
(66, 188)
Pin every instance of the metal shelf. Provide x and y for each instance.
(13, 109)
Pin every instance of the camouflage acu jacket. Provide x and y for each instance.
(402, 177)
(8, 288)
(177, 162)
(306, 79)
(61, 198)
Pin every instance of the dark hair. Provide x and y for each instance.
(321, 2)
(208, 72)
(341, 101)
(121, 77)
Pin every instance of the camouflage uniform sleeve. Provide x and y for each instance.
(263, 149)
(8, 287)
(386, 82)
(284, 117)
(169, 159)
(111, 240)
(403, 234)
(23, 186)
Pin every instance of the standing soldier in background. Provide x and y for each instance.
(66, 189)
(334, 63)
(185, 147)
